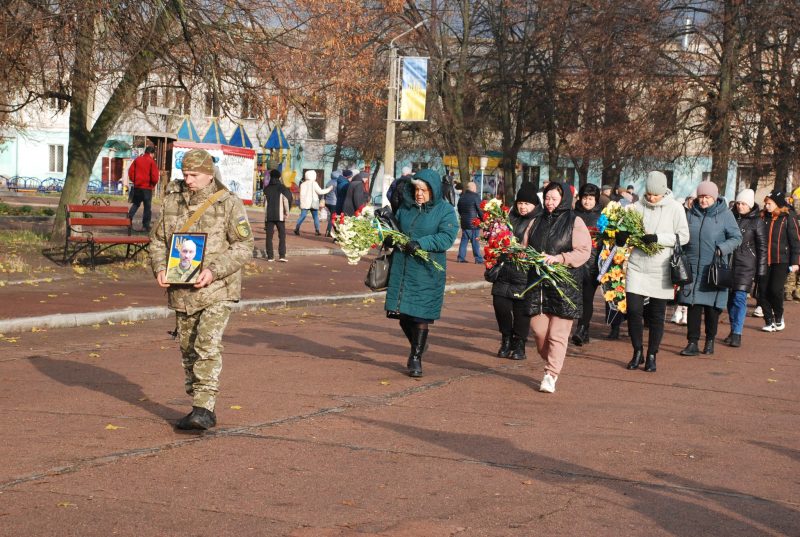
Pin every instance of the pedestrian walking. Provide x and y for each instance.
(199, 204)
(330, 200)
(563, 238)
(587, 208)
(648, 276)
(416, 288)
(469, 208)
(713, 234)
(357, 194)
(510, 309)
(310, 192)
(277, 204)
(143, 175)
(749, 261)
(783, 258)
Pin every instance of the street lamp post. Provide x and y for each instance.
(391, 111)
(484, 163)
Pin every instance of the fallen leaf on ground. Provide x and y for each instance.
(66, 504)
(385, 383)
(236, 407)
(94, 355)
(110, 427)
(771, 380)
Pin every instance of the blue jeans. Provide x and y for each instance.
(737, 310)
(470, 235)
(314, 214)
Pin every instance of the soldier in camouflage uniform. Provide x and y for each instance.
(202, 310)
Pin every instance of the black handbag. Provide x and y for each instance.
(680, 271)
(720, 273)
(378, 274)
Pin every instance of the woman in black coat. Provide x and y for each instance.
(588, 209)
(749, 261)
(510, 311)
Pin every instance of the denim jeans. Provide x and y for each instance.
(470, 235)
(314, 214)
(737, 310)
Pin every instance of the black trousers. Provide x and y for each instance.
(588, 290)
(140, 196)
(654, 312)
(770, 292)
(281, 239)
(511, 317)
(695, 313)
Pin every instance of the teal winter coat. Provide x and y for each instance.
(709, 229)
(416, 288)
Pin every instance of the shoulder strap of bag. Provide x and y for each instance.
(199, 212)
(678, 248)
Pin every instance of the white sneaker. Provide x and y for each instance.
(758, 312)
(770, 328)
(548, 384)
(283, 260)
(779, 325)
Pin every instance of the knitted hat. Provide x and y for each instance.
(198, 161)
(779, 197)
(527, 193)
(656, 183)
(707, 188)
(747, 196)
(347, 173)
(274, 174)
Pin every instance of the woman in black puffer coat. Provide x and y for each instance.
(512, 319)
(588, 209)
(749, 261)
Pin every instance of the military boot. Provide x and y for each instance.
(198, 419)
(418, 345)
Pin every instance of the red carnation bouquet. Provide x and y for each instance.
(502, 246)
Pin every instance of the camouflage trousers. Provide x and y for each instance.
(791, 290)
(200, 336)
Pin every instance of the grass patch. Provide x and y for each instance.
(22, 239)
(24, 210)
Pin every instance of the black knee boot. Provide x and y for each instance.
(419, 338)
(517, 348)
(505, 347)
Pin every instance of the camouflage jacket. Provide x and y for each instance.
(229, 244)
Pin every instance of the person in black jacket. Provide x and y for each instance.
(276, 208)
(469, 208)
(749, 261)
(783, 257)
(510, 310)
(357, 194)
(588, 209)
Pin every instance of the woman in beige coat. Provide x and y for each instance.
(648, 277)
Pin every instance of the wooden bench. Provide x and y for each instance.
(96, 234)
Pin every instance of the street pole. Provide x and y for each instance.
(484, 161)
(481, 183)
(391, 112)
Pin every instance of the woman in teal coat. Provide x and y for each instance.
(712, 231)
(416, 289)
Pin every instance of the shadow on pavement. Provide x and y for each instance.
(674, 507)
(103, 381)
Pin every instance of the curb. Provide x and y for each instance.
(64, 320)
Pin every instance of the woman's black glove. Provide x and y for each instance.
(388, 241)
(649, 238)
(621, 238)
(411, 247)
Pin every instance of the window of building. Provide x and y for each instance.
(56, 161)
(185, 103)
(670, 175)
(315, 124)
(212, 105)
(566, 175)
(248, 108)
(152, 98)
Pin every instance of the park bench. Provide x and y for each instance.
(96, 228)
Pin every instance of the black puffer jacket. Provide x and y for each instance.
(783, 235)
(469, 208)
(551, 233)
(511, 281)
(750, 258)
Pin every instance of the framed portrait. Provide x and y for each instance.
(186, 258)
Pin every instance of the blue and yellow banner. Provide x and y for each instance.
(413, 84)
